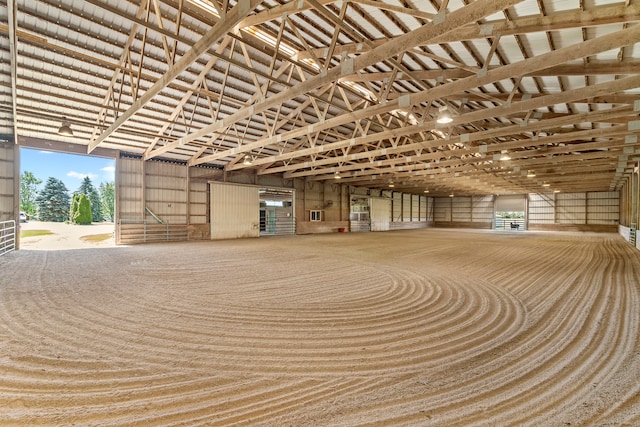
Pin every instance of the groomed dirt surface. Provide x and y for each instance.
(420, 328)
(66, 236)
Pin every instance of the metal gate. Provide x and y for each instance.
(7, 237)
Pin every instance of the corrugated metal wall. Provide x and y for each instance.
(603, 207)
(235, 211)
(333, 202)
(406, 207)
(571, 208)
(166, 185)
(198, 196)
(461, 209)
(593, 208)
(396, 206)
(541, 208)
(424, 208)
(511, 203)
(415, 207)
(482, 208)
(130, 191)
(442, 209)
(8, 181)
(331, 198)
(159, 186)
(466, 212)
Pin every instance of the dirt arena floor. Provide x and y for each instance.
(410, 328)
(66, 236)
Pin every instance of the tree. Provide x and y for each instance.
(53, 201)
(107, 197)
(82, 215)
(89, 190)
(75, 202)
(28, 193)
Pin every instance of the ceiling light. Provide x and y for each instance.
(337, 175)
(451, 195)
(505, 156)
(444, 116)
(531, 174)
(556, 191)
(426, 191)
(247, 160)
(546, 184)
(391, 184)
(65, 129)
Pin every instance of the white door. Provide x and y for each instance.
(235, 211)
(380, 214)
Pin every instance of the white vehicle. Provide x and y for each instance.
(23, 217)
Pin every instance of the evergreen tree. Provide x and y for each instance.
(107, 197)
(28, 193)
(75, 201)
(82, 216)
(89, 190)
(53, 201)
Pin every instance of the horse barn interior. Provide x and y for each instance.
(356, 212)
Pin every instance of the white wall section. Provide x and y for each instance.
(235, 211)
(380, 214)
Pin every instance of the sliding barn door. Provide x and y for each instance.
(235, 211)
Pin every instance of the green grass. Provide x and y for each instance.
(97, 237)
(33, 233)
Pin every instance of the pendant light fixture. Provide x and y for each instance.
(444, 116)
(65, 129)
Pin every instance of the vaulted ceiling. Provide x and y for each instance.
(544, 94)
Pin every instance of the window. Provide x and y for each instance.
(316, 216)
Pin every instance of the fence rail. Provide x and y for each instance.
(7, 237)
(277, 226)
(360, 226)
(132, 232)
(510, 224)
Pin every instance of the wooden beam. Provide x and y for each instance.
(417, 162)
(612, 67)
(289, 8)
(527, 105)
(232, 18)
(596, 16)
(12, 12)
(396, 9)
(607, 42)
(100, 119)
(473, 12)
(188, 94)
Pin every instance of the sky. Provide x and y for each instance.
(68, 168)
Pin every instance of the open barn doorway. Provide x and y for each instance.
(67, 201)
(276, 212)
(510, 212)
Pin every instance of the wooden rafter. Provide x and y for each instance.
(213, 35)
